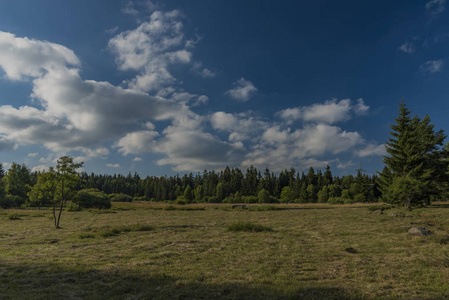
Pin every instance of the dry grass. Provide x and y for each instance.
(142, 251)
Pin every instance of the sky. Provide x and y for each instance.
(172, 87)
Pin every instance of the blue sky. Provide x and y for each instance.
(166, 87)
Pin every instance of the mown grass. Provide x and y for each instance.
(138, 252)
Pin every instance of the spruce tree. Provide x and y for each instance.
(415, 166)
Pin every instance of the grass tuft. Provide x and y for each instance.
(248, 227)
(13, 216)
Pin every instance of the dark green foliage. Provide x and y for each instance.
(11, 201)
(119, 197)
(248, 226)
(17, 182)
(92, 198)
(416, 166)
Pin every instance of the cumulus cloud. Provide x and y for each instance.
(432, 66)
(243, 90)
(137, 142)
(407, 47)
(329, 112)
(151, 49)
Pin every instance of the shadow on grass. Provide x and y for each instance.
(48, 282)
(438, 206)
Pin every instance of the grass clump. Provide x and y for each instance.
(248, 227)
(13, 216)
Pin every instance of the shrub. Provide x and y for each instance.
(142, 198)
(248, 226)
(180, 201)
(13, 216)
(11, 201)
(92, 198)
(335, 200)
(120, 198)
(74, 207)
(250, 199)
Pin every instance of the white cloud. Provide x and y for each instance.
(432, 66)
(36, 57)
(137, 159)
(436, 7)
(113, 165)
(151, 49)
(137, 142)
(407, 47)
(243, 90)
(329, 112)
(35, 154)
(40, 168)
(360, 108)
(371, 149)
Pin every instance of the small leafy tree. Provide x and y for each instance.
(264, 196)
(66, 176)
(287, 195)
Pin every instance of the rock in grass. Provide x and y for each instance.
(420, 231)
(378, 212)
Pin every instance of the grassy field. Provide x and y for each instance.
(143, 251)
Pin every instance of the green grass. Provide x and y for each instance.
(145, 252)
(248, 226)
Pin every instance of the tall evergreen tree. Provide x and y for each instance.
(415, 166)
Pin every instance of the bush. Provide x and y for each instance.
(142, 198)
(74, 207)
(248, 226)
(180, 201)
(212, 199)
(92, 198)
(250, 199)
(11, 201)
(120, 198)
(335, 200)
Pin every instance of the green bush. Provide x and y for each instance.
(142, 198)
(180, 201)
(250, 199)
(335, 200)
(248, 226)
(120, 198)
(92, 198)
(11, 201)
(73, 207)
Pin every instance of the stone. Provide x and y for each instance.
(378, 212)
(420, 231)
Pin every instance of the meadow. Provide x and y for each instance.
(206, 251)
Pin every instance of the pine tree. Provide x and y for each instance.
(415, 166)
